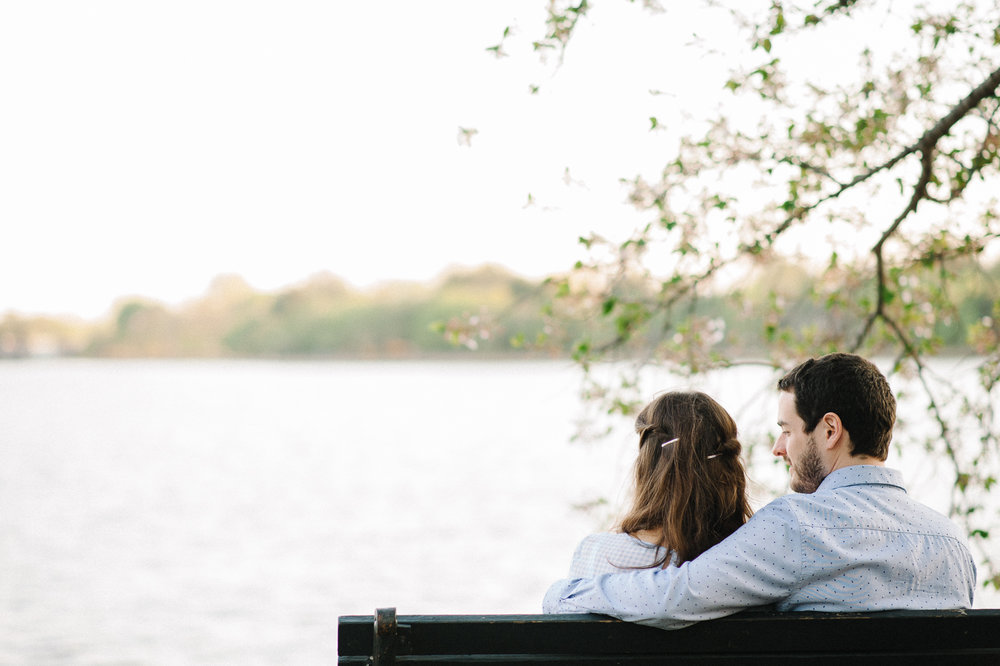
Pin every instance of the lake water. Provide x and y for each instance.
(221, 512)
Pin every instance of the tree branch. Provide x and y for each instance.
(925, 145)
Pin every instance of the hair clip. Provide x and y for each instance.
(714, 455)
(675, 439)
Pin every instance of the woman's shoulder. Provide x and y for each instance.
(599, 539)
(610, 552)
(608, 542)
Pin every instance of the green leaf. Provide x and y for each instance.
(779, 24)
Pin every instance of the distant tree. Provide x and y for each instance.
(22, 336)
(881, 185)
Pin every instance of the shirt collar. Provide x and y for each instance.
(854, 475)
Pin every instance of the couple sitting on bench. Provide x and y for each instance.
(848, 539)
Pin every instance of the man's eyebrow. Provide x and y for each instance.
(782, 423)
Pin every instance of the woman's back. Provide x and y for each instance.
(689, 494)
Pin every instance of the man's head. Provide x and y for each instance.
(835, 400)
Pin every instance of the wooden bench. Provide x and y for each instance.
(756, 637)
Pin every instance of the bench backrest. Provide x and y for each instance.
(966, 637)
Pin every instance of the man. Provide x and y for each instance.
(852, 540)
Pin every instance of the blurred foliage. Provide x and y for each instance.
(320, 317)
(487, 309)
(817, 211)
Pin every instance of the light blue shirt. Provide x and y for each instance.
(612, 552)
(859, 543)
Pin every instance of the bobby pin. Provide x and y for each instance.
(674, 440)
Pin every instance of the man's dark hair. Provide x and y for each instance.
(852, 388)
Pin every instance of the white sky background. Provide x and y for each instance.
(146, 147)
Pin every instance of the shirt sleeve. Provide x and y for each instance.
(758, 564)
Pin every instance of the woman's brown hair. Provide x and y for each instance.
(692, 490)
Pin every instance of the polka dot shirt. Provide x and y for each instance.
(859, 543)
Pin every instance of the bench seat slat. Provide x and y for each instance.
(753, 636)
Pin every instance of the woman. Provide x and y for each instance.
(690, 489)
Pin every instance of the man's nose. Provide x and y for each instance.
(778, 449)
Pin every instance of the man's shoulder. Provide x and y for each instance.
(861, 498)
(845, 500)
(848, 485)
(791, 503)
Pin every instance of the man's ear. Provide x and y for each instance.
(831, 431)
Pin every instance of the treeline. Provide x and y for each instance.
(782, 302)
(486, 310)
(323, 316)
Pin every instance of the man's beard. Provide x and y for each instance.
(809, 472)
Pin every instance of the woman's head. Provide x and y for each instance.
(689, 480)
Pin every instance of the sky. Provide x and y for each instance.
(147, 147)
